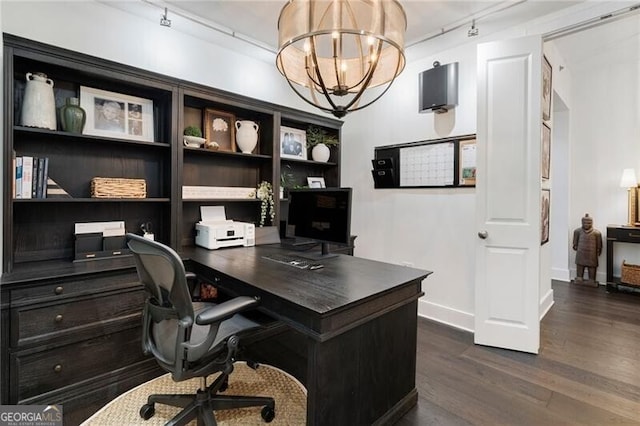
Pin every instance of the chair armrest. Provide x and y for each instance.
(226, 310)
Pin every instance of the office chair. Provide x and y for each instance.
(190, 339)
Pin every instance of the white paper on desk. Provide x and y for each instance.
(108, 229)
(212, 214)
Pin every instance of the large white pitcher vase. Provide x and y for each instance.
(246, 135)
(38, 104)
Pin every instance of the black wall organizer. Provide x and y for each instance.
(436, 163)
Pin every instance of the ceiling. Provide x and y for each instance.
(253, 24)
(256, 21)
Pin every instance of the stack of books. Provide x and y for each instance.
(30, 177)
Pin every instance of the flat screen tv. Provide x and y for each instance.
(321, 214)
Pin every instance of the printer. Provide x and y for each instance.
(215, 231)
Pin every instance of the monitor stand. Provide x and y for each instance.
(324, 254)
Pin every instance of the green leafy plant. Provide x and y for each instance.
(193, 131)
(317, 135)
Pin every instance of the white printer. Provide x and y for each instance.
(215, 231)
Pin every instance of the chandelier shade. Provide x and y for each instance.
(331, 51)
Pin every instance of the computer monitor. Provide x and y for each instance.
(321, 214)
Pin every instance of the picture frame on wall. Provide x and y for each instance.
(316, 182)
(546, 151)
(293, 143)
(219, 128)
(544, 216)
(546, 88)
(116, 115)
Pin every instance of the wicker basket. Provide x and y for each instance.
(118, 188)
(630, 274)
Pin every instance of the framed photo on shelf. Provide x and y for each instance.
(316, 182)
(546, 88)
(293, 143)
(544, 216)
(219, 127)
(116, 115)
(546, 151)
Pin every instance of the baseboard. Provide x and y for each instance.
(561, 274)
(546, 303)
(446, 315)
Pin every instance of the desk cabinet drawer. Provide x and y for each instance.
(40, 372)
(60, 289)
(624, 234)
(43, 322)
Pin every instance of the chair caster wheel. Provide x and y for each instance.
(268, 414)
(253, 365)
(147, 411)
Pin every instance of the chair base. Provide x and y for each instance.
(202, 405)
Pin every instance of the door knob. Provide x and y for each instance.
(483, 234)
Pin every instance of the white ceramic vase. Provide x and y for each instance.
(246, 135)
(320, 153)
(38, 104)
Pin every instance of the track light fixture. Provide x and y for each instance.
(163, 19)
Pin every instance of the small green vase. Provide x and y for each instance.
(72, 116)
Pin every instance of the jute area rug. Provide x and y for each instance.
(289, 394)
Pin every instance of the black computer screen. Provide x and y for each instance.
(321, 214)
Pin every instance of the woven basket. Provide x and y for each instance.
(118, 188)
(630, 274)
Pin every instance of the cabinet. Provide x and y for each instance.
(49, 339)
(619, 234)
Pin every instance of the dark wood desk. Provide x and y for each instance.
(353, 324)
(619, 234)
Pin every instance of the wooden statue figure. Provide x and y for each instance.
(587, 242)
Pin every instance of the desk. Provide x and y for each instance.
(618, 234)
(353, 323)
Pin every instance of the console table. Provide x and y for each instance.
(618, 234)
(351, 328)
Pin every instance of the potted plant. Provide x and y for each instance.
(319, 142)
(286, 181)
(193, 137)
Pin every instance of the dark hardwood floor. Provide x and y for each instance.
(587, 371)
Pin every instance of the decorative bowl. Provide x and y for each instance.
(193, 141)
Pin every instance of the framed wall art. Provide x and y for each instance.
(316, 182)
(116, 115)
(544, 216)
(546, 88)
(293, 143)
(546, 151)
(219, 128)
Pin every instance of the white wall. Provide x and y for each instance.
(605, 133)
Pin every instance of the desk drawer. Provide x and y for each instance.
(45, 322)
(64, 288)
(624, 234)
(36, 373)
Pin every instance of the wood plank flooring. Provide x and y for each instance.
(587, 371)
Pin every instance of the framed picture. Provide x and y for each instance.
(219, 127)
(546, 89)
(467, 160)
(116, 115)
(546, 151)
(293, 143)
(544, 216)
(316, 182)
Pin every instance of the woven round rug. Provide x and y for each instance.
(289, 394)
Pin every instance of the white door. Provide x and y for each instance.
(508, 194)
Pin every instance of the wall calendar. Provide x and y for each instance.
(427, 165)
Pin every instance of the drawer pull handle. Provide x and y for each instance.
(59, 290)
(634, 235)
(57, 368)
(58, 318)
